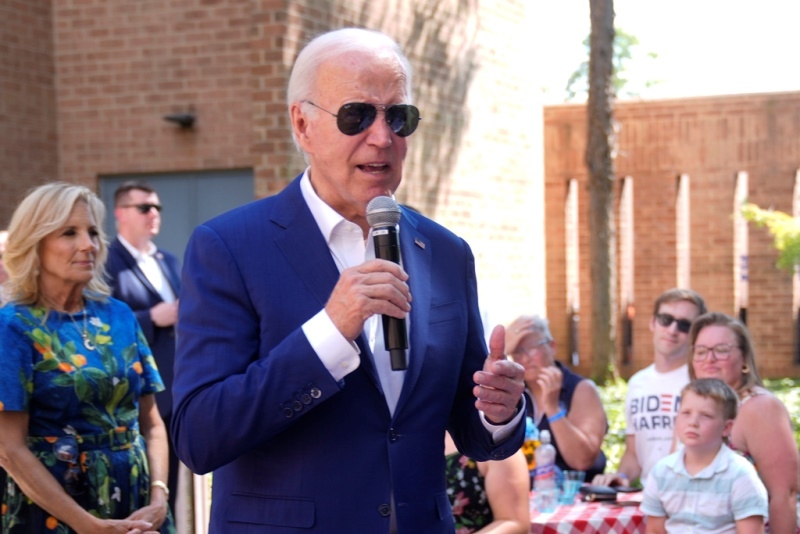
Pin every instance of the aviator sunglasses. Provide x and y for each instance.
(665, 320)
(143, 208)
(355, 117)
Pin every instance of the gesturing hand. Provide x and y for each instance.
(500, 383)
(550, 380)
(374, 287)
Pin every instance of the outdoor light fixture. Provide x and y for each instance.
(184, 120)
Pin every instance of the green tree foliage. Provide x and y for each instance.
(784, 228)
(624, 43)
(613, 397)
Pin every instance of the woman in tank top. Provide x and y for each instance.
(722, 348)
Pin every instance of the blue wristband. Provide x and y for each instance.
(559, 415)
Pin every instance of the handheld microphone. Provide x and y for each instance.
(383, 215)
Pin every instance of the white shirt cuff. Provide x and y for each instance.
(501, 432)
(337, 354)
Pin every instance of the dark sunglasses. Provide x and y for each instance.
(65, 449)
(355, 117)
(143, 208)
(665, 320)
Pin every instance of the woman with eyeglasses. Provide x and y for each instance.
(80, 434)
(762, 431)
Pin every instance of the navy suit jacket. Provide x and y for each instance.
(291, 448)
(131, 286)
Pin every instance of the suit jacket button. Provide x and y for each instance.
(288, 412)
(385, 510)
(316, 393)
(297, 405)
(393, 435)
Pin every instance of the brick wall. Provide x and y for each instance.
(711, 140)
(122, 66)
(475, 164)
(28, 138)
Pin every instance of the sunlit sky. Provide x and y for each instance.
(704, 47)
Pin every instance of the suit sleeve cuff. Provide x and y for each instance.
(502, 432)
(338, 355)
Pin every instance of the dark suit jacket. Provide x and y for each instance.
(291, 448)
(130, 285)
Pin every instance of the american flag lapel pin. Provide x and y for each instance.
(419, 243)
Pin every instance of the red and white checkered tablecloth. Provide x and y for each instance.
(590, 518)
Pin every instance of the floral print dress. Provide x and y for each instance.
(82, 397)
(466, 490)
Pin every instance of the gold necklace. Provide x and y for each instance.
(85, 332)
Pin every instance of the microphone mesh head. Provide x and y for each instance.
(383, 212)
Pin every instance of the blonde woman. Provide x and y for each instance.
(80, 434)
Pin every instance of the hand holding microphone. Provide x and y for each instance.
(383, 215)
(375, 287)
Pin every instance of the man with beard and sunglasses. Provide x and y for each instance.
(653, 397)
(283, 385)
(147, 279)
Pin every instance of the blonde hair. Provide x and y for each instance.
(749, 374)
(43, 211)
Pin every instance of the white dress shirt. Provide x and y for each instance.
(349, 249)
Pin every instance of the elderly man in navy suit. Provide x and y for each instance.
(148, 280)
(283, 384)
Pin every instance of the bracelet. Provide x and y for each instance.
(559, 415)
(160, 484)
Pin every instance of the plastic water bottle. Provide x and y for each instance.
(544, 481)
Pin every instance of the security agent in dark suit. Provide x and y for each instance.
(148, 280)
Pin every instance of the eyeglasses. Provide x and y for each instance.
(665, 320)
(143, 208)
(65, 449)
(722, 352)
(527, 351)
(355, 117)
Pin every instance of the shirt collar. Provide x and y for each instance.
(326, 217)
(328, 220)
(676, 463)
(137, 254)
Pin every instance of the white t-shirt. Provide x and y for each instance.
(651, 404)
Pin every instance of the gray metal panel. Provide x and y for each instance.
(188, 198)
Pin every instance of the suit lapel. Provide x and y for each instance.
(415, 250)
(170, 276)
(134, 267)
(308, 254)
(302, 244)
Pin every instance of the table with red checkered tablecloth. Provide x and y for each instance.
(592, 518)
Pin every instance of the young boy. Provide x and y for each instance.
(704, 485)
